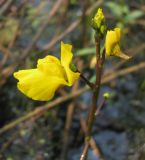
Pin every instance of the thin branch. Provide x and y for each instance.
(91, 85)
(69, 29)
(85, 151)
(100, 107)
(5, 7)
(92, 141)
(124, 72)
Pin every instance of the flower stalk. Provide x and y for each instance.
(98, 23)
(91, 85)
(99, 65)
(96, 89)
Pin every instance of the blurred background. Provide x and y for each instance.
(31, 130)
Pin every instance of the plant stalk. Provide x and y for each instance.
(99, 65)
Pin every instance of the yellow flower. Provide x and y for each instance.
(98, 19)
(51, 73)
(112, 44)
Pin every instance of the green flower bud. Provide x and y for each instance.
(103, 29)
(98, 23)
(98, 19)
(106, 95)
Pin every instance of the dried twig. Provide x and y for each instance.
(5, 6)
(8, 143)
(92, 141)
(85, 151)
(6, 52)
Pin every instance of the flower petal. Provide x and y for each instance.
(118, 35)
(123, 55)
(38, 85)
(41, 83)
(112, 44)
(111, 40)
(51, 66)
(66, 60)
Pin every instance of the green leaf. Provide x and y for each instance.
(86, 51)
(143, 85)
(133, 16)
(93, 79)
(116, 9)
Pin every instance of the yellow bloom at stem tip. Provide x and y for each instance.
(112, 44)
(51, 74)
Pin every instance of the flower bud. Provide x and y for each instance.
(103, 29)
(106, 95)
(98, 22)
